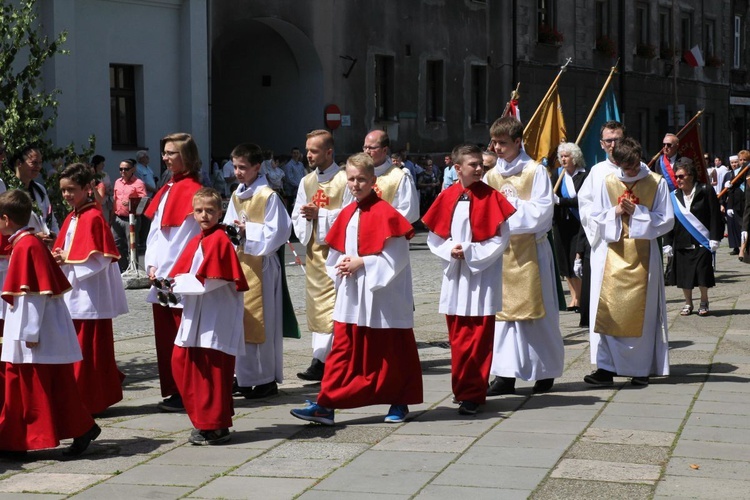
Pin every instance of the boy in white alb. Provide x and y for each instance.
(264, 226)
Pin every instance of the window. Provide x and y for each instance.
(545, 15)
(709, 36)
(122, 105)
(384, 88)
(643, 131)
(434, 94)
(601, 20)
(686, 31)
(665, 33)
(479, 94)
(641, 24)
(737, 39)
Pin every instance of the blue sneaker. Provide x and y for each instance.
(313, 412)
(396, 414)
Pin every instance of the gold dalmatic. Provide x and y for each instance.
(386, 185)
(254, 209)
(625, 279)
(320, 296)
(522, 286)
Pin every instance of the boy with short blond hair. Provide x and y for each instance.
(374, 357)
(210, 281)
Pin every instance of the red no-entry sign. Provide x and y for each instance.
(332, 116)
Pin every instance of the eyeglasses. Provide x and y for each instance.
(126, 169)
(612, 140)
(669, 145)
(165, 296)
(680, 176)
(370, 148)
(234, 234)
(169, 154)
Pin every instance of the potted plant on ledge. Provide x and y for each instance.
(549, 35)
(606, 46)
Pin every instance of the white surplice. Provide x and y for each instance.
(593, 182)
(362, 299)
(212, 313)
(98, 292)
(264, 363)
(531, 349)
(480, 271)
(648, 354)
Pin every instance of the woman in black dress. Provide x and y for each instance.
(698, 228)
(567, 221)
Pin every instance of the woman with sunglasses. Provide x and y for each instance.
(126, 187)
(698, 228)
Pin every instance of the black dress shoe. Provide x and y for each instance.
(468, 408)
(82, 442)
(639, 381)
(501, 386)
(13, 455)
(263, 391)
(735, 251)
(543, 385)
(314, 372)
(600, 377)
(574, 309)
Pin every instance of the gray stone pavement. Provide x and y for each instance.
(685, 436)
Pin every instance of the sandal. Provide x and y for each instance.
(703, 309)
(687, 310)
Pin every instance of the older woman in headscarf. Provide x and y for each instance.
(698, 228)
(567, 221)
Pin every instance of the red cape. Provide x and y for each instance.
(219, 258)
(488, 209)
(92, 235)
(378, 221)
(179, 202)
(32, 270)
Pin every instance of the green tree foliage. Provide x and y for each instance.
(27, 111)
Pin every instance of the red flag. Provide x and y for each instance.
(511, 109)
(690, 147)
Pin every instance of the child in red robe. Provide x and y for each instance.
(209, 279)
(374, 357)
(42, 403)
(86, 252)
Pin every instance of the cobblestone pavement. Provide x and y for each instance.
(685, 436)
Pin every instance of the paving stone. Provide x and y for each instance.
(112, 491)
(350, 495)
(28, 496)
(498, 437)
(343, 434)
(722, 408)
(168, 475)
(597, 470)
(387, 472)
(720, 434)
(579, 414)
(565, 489)
(638, 423)
(715, 420)
(219, 456)
(42, 482)
(709, 468)
(518, 423)
(587, 450)
(645, 410)
(171, 422)
(707, 449)
(646, 396)
(701, 487)
(629, 437)
(491, 476)
(521, 457)
(438, 492)
(264, 466)
(426, 443)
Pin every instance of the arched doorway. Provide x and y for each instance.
(266, 86)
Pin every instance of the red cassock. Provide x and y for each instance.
(98, 378)
(178, 207)
(369, 366)
(42, 403)
(4, 252)
(204, 376)
(471, 338)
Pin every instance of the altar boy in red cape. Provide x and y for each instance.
(374, 356)
(210, 281)
(42, 403)
(86, 252)
(469, 232)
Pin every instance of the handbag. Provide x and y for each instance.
(669, 278)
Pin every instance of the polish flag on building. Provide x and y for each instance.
(694, 57)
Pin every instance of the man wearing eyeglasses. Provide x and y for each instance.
(394, 185)
(670, 146)
(593, 249)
